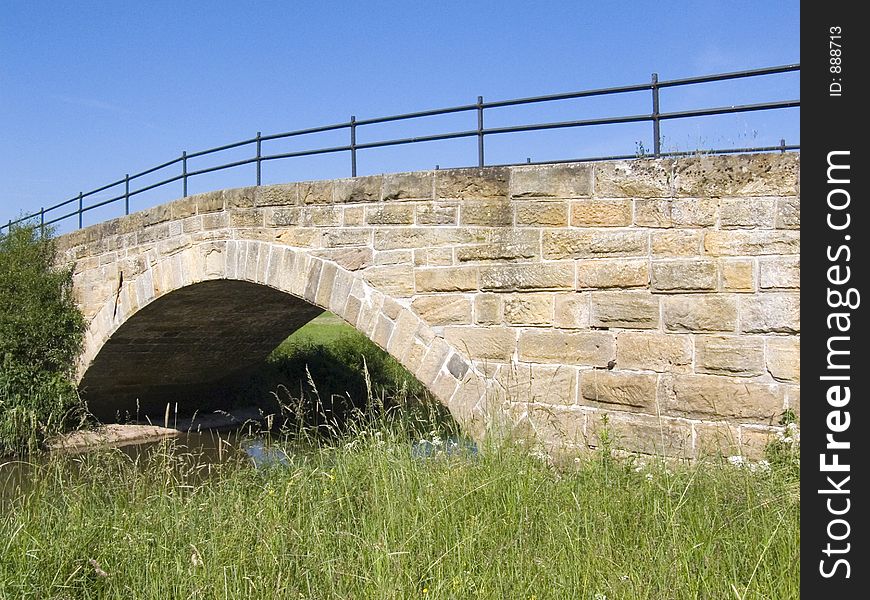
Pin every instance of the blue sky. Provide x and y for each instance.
(91, 90)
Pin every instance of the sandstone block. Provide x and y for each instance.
(541, 213)
(346, 236)
(487, 309)
(432, 257)
(486, 212)
(506, 251)
(738, 275)
(358, 189)
(601, 213)
(729, 355)
(750, 243)
(754, 440)
(788, 213)
(529, 309)
(555, 181)
(531, 276)
(700, 313)
(712, 396)
(558, 244)
(684, 275)
(282, 217)
(209, 202)
(746, 213)
(353, 216)
(678, 212)
(316, 192)
(635, 390)
(596, 274)
(390, 214)
(584, 348)
(440, 212)
(633, 179)
(736, 175)
(779, 273)
(572, 310)
(396, 280)
(664, 353)
(783, 358)
(253, 217)
(676, 242)
(321, 216)
(630, 310)
(490, 182)
(659, 436)
(716, 439)
(401, 186)
(286, 194)
(492, 343)
(538, 383)
(183, 208)
(770, 313)
(352, 259)
(443, 309)
(449, 279)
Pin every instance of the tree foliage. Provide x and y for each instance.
(41, 333)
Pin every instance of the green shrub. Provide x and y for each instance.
(41, 332)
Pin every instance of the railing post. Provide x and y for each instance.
(42, 221)
(657, 138)
(480, 159)
(782, 145)
(80, 210)
(184, 172)
(259, 155)
(353, 145)
(127, 194)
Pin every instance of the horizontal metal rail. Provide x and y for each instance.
(46, 216)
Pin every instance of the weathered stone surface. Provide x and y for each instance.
(321, 216)
(390, 214)
(433, 257)
(443, 309)
(472, 183)
(528, 309)
(352, 259)
(520, 244)
(736, 175)
(315, 192)
(537, 213)
(358, 189)
(716, 439)
(750, 243)
(659, 436)
(353, 216)
(454, 279)
(738, 275)
(629, 310)
(477, 343)
(283, 217)
(286, 194)
(684, 275)
(788, 213)
(708, 396)
(634, 179)
(556, 181)
(487, 212)
(572, 310)
(676, 242)
(601, 213)
(585, 348)
(784, 358)
(509, 278)
(747, 213)
(487, 309)
(679, 212)
(397, 280)
(247, 218)
(538, 383)
(440, 212)
(596, 274)
(770, 313)
(779, 273)
(699, 313)
(664, 353)
(594, 244)
(635, 390)
(729, 355)
(401, 186)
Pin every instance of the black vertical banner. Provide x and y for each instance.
(835, 421)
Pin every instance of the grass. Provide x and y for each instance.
(369, 518)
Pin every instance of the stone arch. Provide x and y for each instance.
(274, 272)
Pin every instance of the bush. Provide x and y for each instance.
(41, 332)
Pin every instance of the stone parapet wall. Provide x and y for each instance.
(663, 293)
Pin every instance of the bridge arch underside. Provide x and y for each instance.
(186, 346)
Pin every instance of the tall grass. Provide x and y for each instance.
(369, 516)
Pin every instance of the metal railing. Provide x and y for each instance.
(75, 207)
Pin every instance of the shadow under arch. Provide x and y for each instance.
(188, 320)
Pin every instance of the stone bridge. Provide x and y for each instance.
(662, 293)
